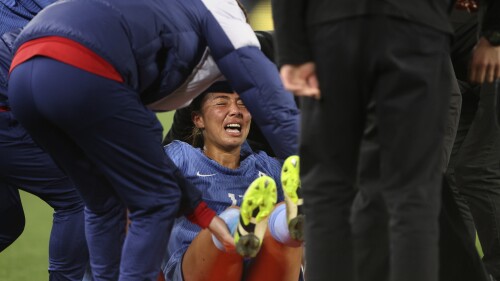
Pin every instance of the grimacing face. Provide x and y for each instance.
(224, 119)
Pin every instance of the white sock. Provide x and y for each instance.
(231, 217)
(278, 226)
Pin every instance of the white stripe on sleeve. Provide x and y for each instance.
(232, 20)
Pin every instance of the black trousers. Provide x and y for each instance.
(475, 171)
(458, 258)
(399, 65)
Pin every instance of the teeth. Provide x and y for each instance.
(233, 126)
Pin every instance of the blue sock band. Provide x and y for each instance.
(231, 217)
(278, 226)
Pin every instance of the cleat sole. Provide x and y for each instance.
(258, 202)
(290, 181)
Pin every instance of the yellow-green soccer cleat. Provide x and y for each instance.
(290, 181)
(258, 202)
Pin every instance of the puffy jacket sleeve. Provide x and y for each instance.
(236, 50)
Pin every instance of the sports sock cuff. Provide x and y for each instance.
(278, 226)
(231, 217)
(202, 215)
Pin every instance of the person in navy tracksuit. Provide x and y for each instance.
(25, 166)
(84, 87)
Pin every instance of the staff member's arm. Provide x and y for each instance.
(298, 71)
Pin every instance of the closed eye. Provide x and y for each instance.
(240, 103)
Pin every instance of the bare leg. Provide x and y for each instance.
(203, 261)
(276, 261)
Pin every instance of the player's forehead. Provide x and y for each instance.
(221, 95)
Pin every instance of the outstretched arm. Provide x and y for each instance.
(254, 77)
(298, 71)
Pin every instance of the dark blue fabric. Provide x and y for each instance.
(109, 144)
(6, 42)
(101, 134)
(221, 187)
(23, 165)
(17, 13)
(155, 45)
(14, 14)
(159, 36)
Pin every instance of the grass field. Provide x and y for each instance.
(27, 258)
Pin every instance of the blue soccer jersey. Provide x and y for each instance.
(221, 188)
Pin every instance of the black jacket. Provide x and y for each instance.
(489, 15)
(292, 18)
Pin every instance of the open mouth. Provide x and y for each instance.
(233, 128)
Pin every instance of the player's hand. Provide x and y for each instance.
(301, 80)
(485, 64)
(219, 228)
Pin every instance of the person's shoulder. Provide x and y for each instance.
(178, 150)
(264, 159)
(178, 145)
(262, 154)
(268, 165)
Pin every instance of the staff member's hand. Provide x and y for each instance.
(485, 64)
(301, 79)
